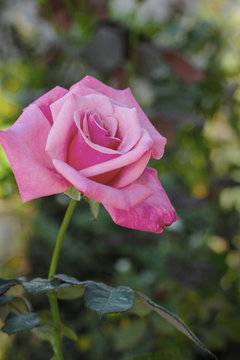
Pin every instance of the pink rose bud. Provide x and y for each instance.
(97, 139)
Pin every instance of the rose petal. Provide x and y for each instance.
(64, 125)
(95, 102)
(81, 155)
(131, 172)
(124, 97)
(99, 136)
(62, 128)
(24, 144)
(132, 156)
(129, 130)
(111, 124)
(47, 99)
(79, 121)
(152, 214)
(122, 199)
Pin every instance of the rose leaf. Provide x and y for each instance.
(18, 322)
(39, 285)
(106, 300)
(174, 320)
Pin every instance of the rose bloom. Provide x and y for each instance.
(97, 139)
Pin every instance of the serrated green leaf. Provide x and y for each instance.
(174, 320)
(94, 208)
(5, 299)
(18, 322)
(73, 193)
(127, 337)
(106, 300)
(39, 285)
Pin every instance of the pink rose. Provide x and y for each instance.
(97, 139)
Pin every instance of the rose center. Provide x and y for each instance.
(98, 131)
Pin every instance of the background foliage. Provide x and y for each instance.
(182, 60)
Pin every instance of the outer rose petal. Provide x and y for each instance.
(131, 172)
(152, 214)
(47, 99)
(129, 129)
(24, 144)
(123, 199)
(124, 97)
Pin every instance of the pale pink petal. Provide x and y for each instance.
(64, 124)
(122, 199)
(124, 97)
(62, 129)
(96, 103)
(47, 99)
(24, 144)
(132, 156)
(81, 155)
(150, 215)
(129, 130)
(111, 124)
(79, 121)
(100, 136)
(130, 173)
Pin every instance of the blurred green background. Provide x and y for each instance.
(181, 59)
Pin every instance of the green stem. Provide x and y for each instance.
(60, 237)
(57, 342)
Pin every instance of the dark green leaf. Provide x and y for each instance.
(19, 322)
(39, 285)
(105, 300)
(5, 299)
(174, 320)
(69, 280)
(6, 284)
(75, 289)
